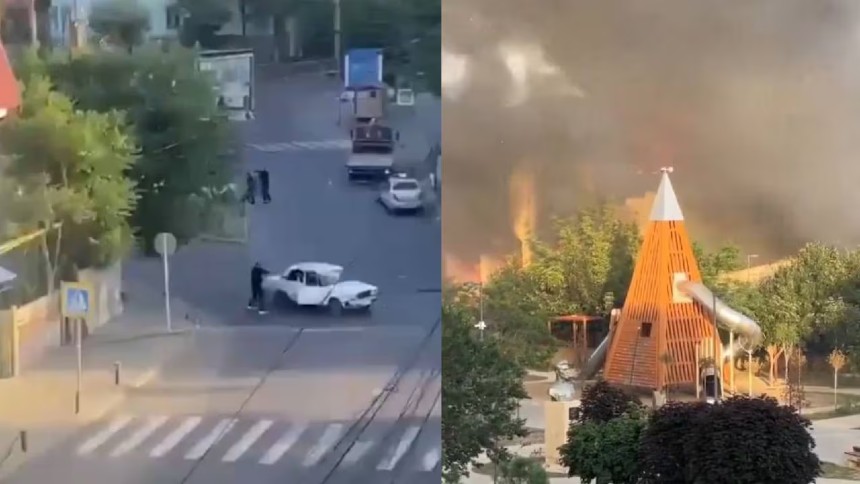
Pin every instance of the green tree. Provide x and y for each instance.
(714, 264)
(123, 22)
(69, 168)
(742, 440)
(602, 402)
(516, 310)
(184, 142)
(522, 470)
(606, 452)
(480, 394)
(203, 19)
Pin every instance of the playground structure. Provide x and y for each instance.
(668, 325)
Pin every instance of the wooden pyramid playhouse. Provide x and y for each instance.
(661, 332)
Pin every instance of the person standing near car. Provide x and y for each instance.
(258, 301)
(264, 185)
(250, 188)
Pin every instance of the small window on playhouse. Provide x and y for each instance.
(645, 330)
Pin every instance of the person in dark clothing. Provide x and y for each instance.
(264, 185)
(257, 301)
(250, 188)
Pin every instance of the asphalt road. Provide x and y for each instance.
(293, 396)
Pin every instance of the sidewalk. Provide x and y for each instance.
(41, 401)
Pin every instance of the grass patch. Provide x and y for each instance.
(830, 470)
(489, 469)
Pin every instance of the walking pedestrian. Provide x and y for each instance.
(264, 185)
(250, 188)
(257, 301)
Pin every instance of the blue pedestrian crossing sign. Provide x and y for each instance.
(75, 300)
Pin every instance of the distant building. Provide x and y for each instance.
(166, 19)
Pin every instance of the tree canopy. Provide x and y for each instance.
(184, 143)
(69, 167)
(480, 394)
(742, 440)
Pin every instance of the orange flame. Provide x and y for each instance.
(524, 210)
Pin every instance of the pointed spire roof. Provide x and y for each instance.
(666, 207)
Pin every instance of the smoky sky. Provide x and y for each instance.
(756, 104)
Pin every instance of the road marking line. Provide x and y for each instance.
(247, 440)
(175, 437)
(100, 438)
(338, 329)
(211, 439)
(357, 452)
(328, 439)
(303, 145)
(402, 447)
(283, 444)
(137, 438)
(431, 459)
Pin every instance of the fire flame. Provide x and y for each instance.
(523, 210)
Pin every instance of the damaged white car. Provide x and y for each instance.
(319, 284)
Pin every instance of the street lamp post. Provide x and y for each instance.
(750, 257)
(481, 325)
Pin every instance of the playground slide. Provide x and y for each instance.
(748, 331)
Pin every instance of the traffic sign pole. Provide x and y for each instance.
(165, 244)
(164, 254)
(78, 329)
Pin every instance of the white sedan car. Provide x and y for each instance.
(401, 194)
(319, 284)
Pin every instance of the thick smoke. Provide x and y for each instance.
(755, 104)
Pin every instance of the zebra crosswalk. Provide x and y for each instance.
(265, 442)
(323, 145)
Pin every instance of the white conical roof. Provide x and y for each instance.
(666, 207)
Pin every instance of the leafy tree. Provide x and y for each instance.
(203, 18)
(713, 264)
(606, 452)
(183, 139)
(602, 402)
(124, 22)
(522, 470)
(741, 440)
(69, 168)
(837, 360)
(802, 298)
(480, 394)
(516, 311)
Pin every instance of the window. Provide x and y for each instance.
(173, 17)
(406, 185)
(295, 275)
(312, 279)
(645, 330)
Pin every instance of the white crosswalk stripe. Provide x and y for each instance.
(247, 441)
(267, 442)
(401, 449)
(217, 433)
(176, 436)
(328, 439)
(319, 145)
(283, 445)
(137, 438)
(431, 459)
